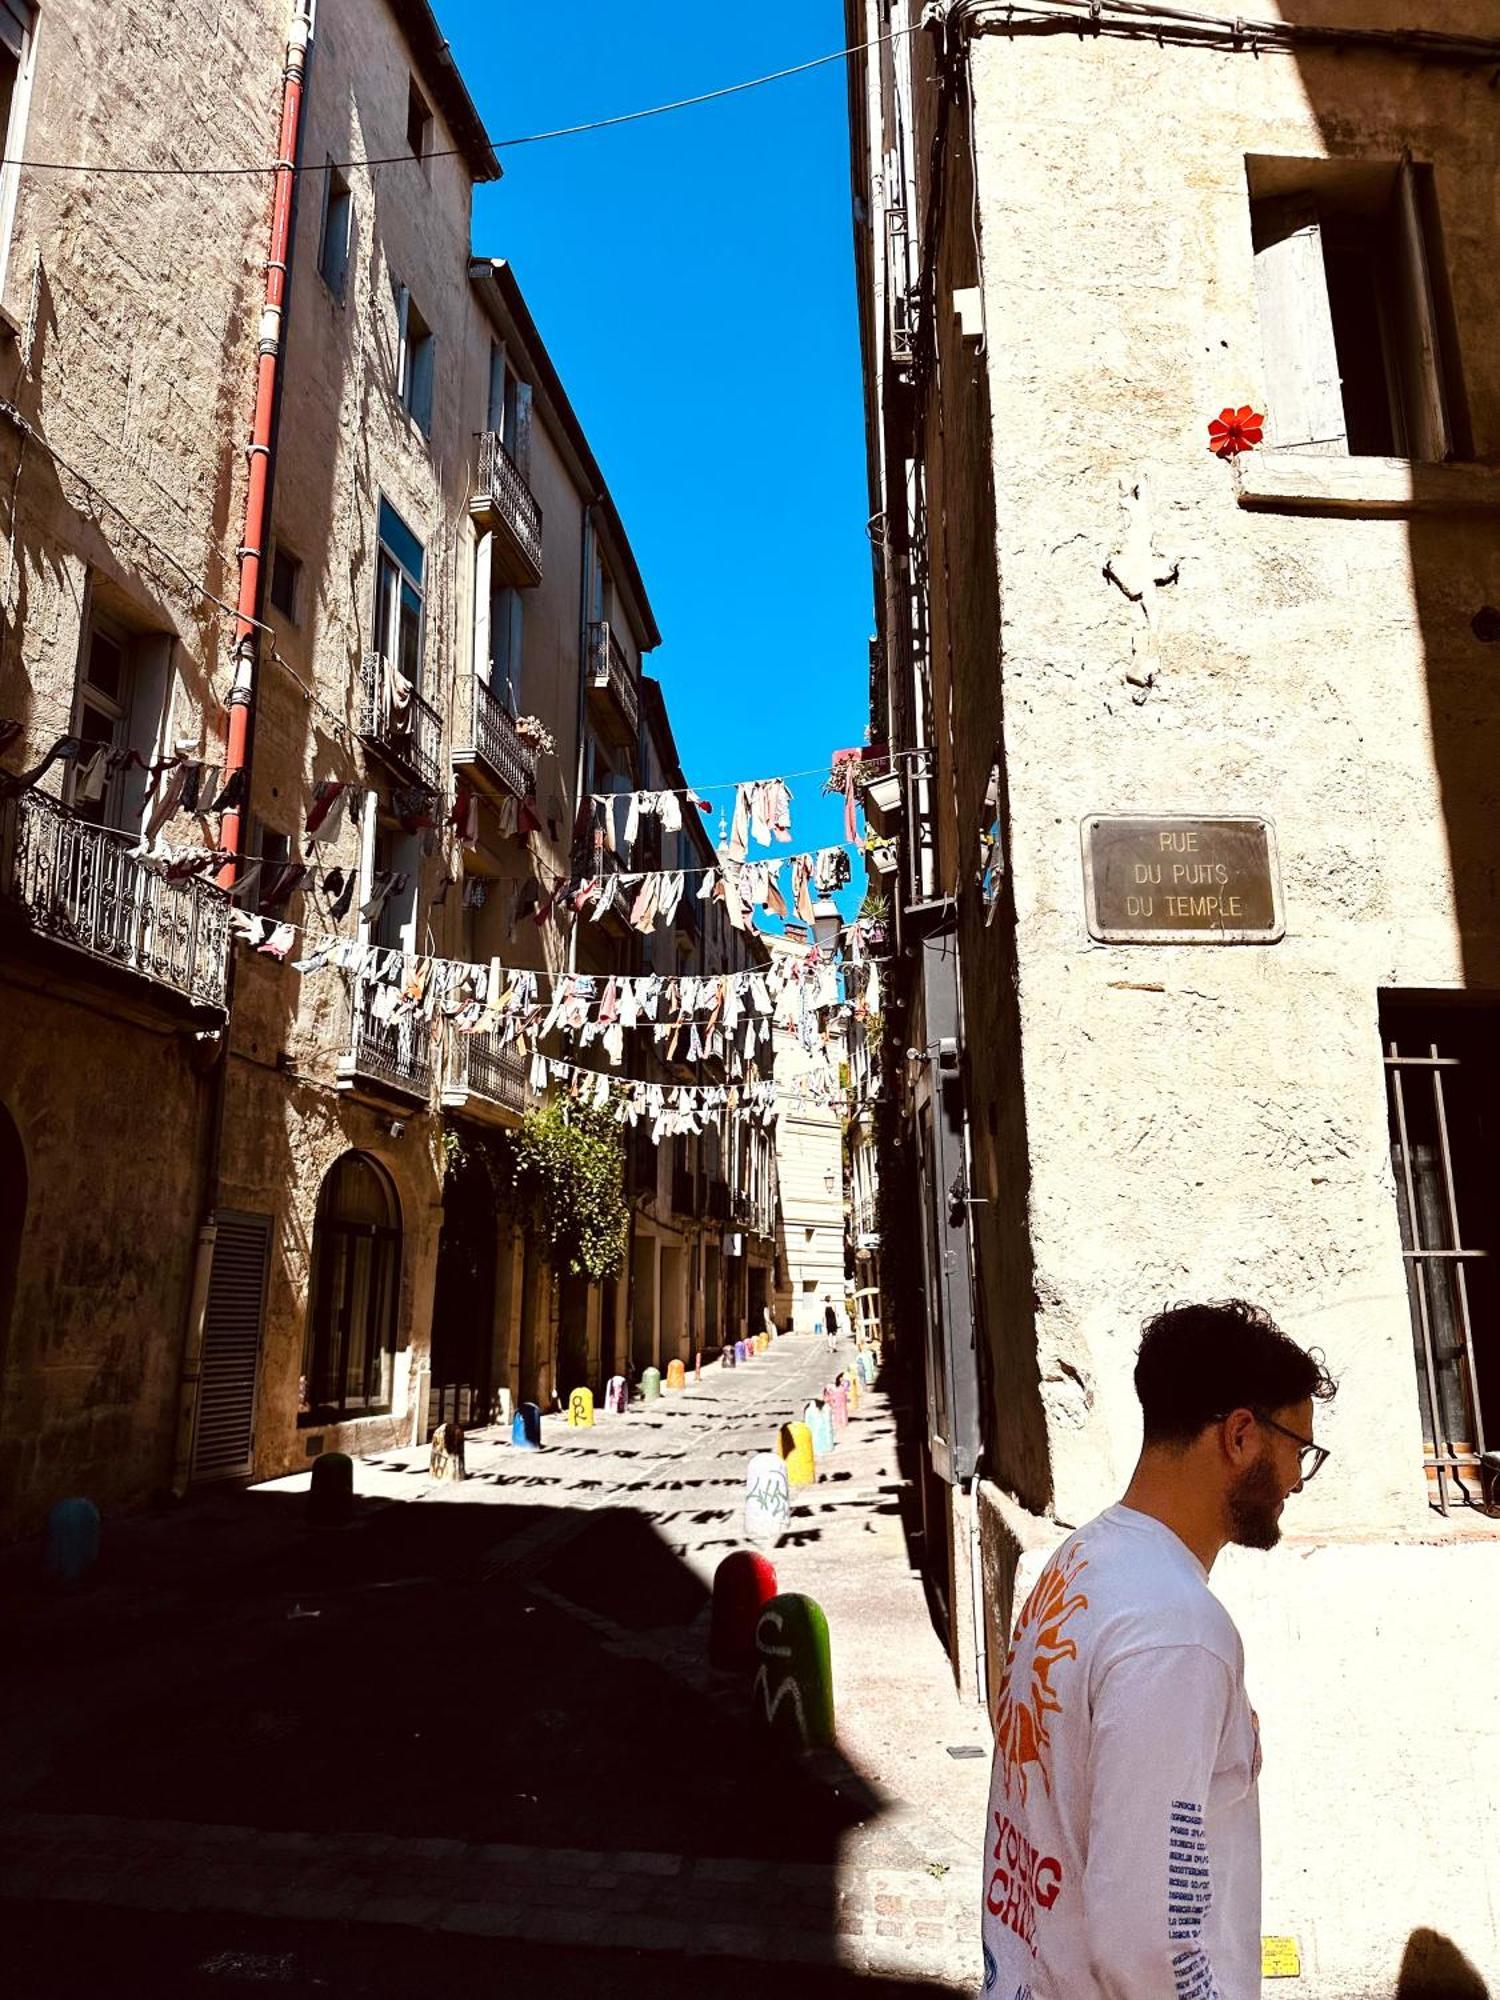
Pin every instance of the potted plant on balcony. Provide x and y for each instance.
(874, 914)
(880, 852)
(531, 729)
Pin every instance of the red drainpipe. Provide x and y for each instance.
(257, 496)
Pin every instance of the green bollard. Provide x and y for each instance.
(792, 1698)
(651, 1384)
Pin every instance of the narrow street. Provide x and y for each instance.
(201, 1746)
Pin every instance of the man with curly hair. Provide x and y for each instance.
(1122, 1852)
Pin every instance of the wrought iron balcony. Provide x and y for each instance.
(81, 886)
(481, 1077)
(740, 1208)
(609, 676)
(494, 755)
(392, 1057)
(408, 735)
(503, 501)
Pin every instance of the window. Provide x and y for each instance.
(398, 596)
(123, 692)
(338, 227)
(415, 362)
(286, 577)
(1356, 319)
(1442, 1067)
(350, 1345)
(418, 122)
(274, 851)
(17, 25)
(507, 623)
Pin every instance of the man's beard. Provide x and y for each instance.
(1254, 1501)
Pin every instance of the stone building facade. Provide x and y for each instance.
(448, 661)
(809, 1159)
(1075, 250)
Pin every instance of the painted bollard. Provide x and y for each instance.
(330, 1497)
(768, 1503)
(651, 1384)
(837, 1399)
(505, 1409)
(72, 1540)
(526, 1430)
(445, 1460)
(819, 1420)
(792, 1695)
(850, 1381)
(742, 1350)
(617, 1396)
(727, 1359)
(698, 1366)
(676, 1375)
(794, 1446)
(865, 1361)
(743, 1583)
(581, 1410)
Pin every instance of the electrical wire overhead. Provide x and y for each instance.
(409, 158)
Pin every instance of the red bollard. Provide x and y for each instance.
(743, 1584)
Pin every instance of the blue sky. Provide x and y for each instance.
(692, 276)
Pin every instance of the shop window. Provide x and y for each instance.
(350, 1347)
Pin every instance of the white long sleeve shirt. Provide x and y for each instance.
(1122, 1852)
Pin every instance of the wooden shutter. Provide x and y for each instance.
(1304, 396)
(523, 429)
(225, 1426)
(1419, 353)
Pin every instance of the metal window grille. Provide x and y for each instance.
(1430, 1096)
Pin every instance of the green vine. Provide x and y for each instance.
(570, 1167)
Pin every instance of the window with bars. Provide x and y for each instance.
(1442, 1064)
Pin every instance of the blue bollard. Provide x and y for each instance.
(72, 1540)
(526, 1428)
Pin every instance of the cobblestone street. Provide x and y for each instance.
(486, 1709)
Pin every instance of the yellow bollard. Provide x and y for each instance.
(581, 1410)
(851, 1383)
(676, 1375)
(794, 1444)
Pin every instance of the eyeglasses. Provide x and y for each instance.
(1309, 1458)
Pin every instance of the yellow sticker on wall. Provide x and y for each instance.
(1280, 1958)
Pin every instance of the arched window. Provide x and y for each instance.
(356, 1272)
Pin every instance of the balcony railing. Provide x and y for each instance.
(503, 495)
(609, 671)
(82, 886)
(494, 747)
(394, 1055)
(409, 734)
(475, 1066)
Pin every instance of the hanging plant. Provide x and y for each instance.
(570, 1167)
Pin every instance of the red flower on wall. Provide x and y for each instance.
(1234, 431)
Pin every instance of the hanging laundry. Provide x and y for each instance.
(670, 896)
(339, 885)
(739, 832)
(395, 689)
(669, 812)
(831, 869)
(385, 886)
(192, 785)
(90, 776)
(802, 901)
(325, 816)
(279, 943)
(231, 794)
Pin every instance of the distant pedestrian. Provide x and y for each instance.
(1122, 1851)
(768, 1321)
(831, 1323)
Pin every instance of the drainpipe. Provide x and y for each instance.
(257, 497)
(242, 692)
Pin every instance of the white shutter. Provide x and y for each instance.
(1304, 396)
(225, 1426)
(1427, 431)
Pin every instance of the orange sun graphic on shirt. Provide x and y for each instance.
(1021, 1732)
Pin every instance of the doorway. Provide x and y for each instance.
(463, 1305)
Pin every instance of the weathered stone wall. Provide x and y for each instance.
(136, 304)
(1211, 1120)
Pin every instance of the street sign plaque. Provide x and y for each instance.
(1175, 879)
